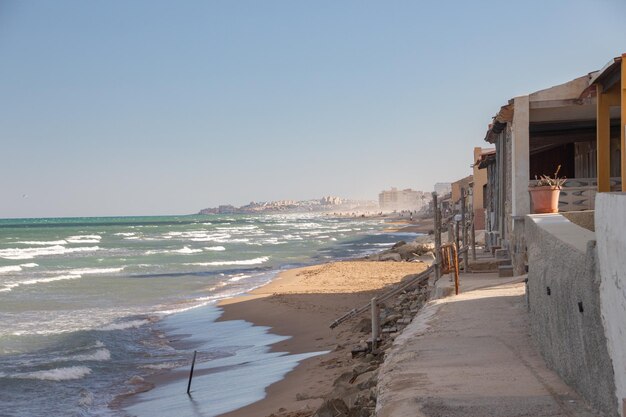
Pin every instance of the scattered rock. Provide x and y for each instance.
(397, 245)
(385, 257)
(363, 326)
(332, 408)
(391, 319)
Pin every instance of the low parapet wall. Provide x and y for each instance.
(564, 300)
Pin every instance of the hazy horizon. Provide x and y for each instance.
(149, 108)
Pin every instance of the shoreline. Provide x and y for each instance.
(305, 315)
(303, 318)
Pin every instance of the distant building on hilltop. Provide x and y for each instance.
(398, 200)
(443, 188)
(331, 201)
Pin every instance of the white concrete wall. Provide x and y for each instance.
(610, 223)
(520, 157)
(564, 301)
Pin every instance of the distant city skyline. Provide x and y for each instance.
(157, 107)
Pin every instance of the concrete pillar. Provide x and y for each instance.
(603, 142)
(520, 157)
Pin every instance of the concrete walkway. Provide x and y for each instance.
(471, 355)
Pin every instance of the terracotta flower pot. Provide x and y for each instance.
(545, 199)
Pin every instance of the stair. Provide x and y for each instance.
(505, 271)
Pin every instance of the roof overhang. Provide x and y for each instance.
(610, 75)
(486, 159)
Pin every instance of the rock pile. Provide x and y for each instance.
(403, 251)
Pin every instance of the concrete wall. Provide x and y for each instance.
(611, 237)
(564, 299)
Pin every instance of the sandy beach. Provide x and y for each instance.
(302, 303)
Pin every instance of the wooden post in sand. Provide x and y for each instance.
(375, 323)
(437, 215)
(464, 224)
(193, 363)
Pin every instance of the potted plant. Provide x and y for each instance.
(545, 192)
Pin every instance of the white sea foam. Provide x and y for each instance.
(215, 248)
(254, 261)
(10, 268)
(239, 277)
(57, 374)
(231, 240)
(83, 237)
(10, 286)
(187, 250)
(86, 398)
(90, 271)
(43, 242)
(29, 253)
(98, 355)
(124, 234)
(124, 325)
(29, 265)
(71, 274)
(160, 366)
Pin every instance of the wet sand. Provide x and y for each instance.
(302, 303)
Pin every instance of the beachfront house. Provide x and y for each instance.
(458, 187)
(576, 263)
(479, 189)
(534, 135)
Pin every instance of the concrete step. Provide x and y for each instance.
(494, 249)
(484, 265)
(503, 262)
(501, 254)
(505, 271)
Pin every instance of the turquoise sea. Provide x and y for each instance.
(89, 306)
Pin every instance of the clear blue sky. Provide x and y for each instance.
(154, 107)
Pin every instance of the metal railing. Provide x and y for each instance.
(419, 278)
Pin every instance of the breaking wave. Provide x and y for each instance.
(57, 374)
(124, 325)
(29, 253)
(254, 261)
(10, 286)
(98, 355)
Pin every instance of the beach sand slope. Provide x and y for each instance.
(302, 303)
